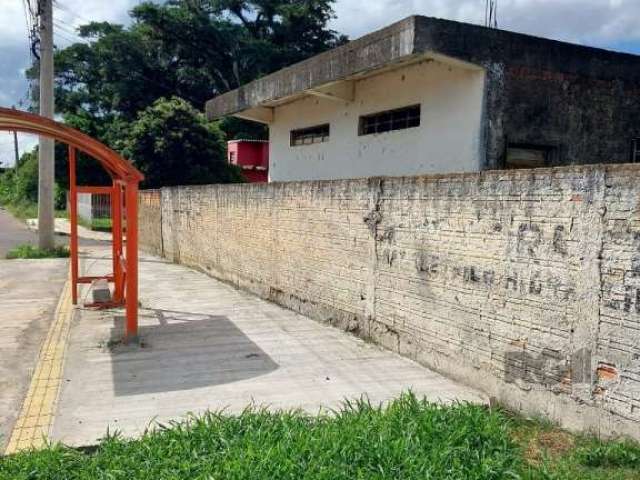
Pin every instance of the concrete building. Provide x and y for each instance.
(426, 95)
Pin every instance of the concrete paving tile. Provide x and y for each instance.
(205, 345)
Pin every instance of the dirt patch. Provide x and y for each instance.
(542, 444)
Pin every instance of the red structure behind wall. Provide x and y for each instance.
(252, 156)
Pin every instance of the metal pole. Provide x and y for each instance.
(16, 150)
(116, 236)
(73, 201)
(46, 151)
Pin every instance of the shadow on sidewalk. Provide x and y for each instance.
(184, 351)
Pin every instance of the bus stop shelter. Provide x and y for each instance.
(124, 208)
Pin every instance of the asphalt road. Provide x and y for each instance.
(13, 232)
(29, 291)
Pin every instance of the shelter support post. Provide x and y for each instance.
(116, 236)
(124, 189)
(73, 206)
(131, 297)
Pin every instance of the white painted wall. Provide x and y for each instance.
(447, 140)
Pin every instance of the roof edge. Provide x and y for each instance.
(416, 35)
(369, 51)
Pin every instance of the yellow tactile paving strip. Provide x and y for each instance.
(33, 426)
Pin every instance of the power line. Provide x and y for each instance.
(31, 20)
(62, 30)
(70, 29)
(65, 27)
(68, 38)
(66, 24)
(64, 8)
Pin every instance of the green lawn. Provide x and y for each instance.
(101, 224)
(409, 439)
(96, 224)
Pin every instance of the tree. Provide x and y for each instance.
(171, 143)
(20, 184)
(191, 49)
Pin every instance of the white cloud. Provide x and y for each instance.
(26, 142)
(69, 14)
(595, 22)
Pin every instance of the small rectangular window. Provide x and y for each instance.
(528, 156)
(310, 135)
(635, 150)
(398, 119)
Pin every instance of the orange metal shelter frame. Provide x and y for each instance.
(124, 202)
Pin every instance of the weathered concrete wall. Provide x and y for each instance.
(525, 284)
(84, 207)
(150, 222)
(581, 102)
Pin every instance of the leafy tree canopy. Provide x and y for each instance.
(173, 144)
(187, 49)
(193, 49)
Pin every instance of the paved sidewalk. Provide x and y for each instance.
(29, 291)
(206, 345)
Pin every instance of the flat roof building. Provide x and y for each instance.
(426, 95)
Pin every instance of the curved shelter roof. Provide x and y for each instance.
(116, 165)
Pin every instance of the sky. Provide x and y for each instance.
(611, 24)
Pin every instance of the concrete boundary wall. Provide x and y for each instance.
(84, 207)
(524, 284)
(150, 222)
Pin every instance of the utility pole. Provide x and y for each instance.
(15, 147)
(46, 151)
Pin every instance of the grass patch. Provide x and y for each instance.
(30, 251)
(549, 452)
(101, 224)
(408, 439)
(24, 210)
(622, 454)
(96, 224)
